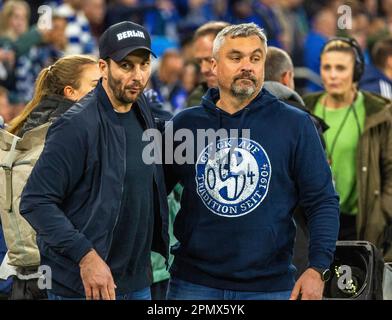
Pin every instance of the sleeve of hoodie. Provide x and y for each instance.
(58, 170)
(317, 196)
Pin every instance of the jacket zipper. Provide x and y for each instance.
(157, 187)
(122, 191)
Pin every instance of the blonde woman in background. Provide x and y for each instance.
(57, 88)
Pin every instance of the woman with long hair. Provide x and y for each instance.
(57, 88)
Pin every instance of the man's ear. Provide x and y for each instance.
(214, 66)
(103, 67)
(285, 79)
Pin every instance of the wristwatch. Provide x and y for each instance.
(324, 273)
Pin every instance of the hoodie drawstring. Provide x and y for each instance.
(219, 124)
(242, 120)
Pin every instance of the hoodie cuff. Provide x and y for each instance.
(322, 260)
(79, 249)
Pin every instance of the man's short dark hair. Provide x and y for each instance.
(210, 28)
(381, 51)
(277, 63)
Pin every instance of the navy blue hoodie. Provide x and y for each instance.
(375, 81)
(235, 227)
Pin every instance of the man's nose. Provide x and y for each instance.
(333, 73)
(205, 66)
(137, 75)
(246, 65)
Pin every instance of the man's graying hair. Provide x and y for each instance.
(238, 31)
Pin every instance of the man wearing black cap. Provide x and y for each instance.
(97, 207)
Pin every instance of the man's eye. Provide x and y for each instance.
(235, 58)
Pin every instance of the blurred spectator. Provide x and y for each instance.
(57, 35)
(31, 58)
(202, 54)
(127, 10)
(279, 69)
(28, 66)
(7, 62)
(187, 49)
(166, 81)
(80, 40)
(242, 11)
(193, 14)
(95, 11)
(219, 9)
(6, 111)
(295, 24)
(378, 76)
(313, 7)
(377, 28)
(358, 145)
(15, 40)
(162, 20)
(323, 28)
(386, 6)
(190, 76)
(270, 22)
(16, 15)
(360, 26)
(371, 7)
(14, 28)
(14, 23)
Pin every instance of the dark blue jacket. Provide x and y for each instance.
(235, 226)
(73, 195)
(375, 81)
(313, 47)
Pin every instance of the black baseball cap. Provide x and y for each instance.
(121, 39)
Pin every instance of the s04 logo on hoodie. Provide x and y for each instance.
(232, 176)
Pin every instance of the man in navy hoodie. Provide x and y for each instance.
(377, 77)
(235, 227)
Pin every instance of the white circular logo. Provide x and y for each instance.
(234, 180)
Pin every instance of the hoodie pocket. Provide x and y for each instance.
(243, 252)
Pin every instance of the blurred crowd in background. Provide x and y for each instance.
(301, 27)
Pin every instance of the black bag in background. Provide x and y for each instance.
(27, 289)
(367, 267)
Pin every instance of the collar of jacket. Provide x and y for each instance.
(378, 108)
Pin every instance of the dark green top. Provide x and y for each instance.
(24, 43)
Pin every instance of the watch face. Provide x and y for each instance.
(326, 275)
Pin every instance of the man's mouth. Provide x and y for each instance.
(246, 79)
(134, 89)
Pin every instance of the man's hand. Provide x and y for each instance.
(97, 278)
(309, 285)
